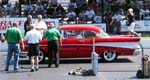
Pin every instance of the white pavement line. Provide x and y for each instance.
(101, 76)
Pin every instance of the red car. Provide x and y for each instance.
(108, 47)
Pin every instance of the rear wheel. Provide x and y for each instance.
(109, 56)
(139, 74)
(41, 56)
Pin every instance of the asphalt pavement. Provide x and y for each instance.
(124, 68)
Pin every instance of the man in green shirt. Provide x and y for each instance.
(13, 37)
(52, 34)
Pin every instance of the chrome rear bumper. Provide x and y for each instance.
(23, 54)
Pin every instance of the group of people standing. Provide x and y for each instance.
(34, 33)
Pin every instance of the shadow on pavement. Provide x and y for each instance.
(40, 67)
(134, 78)
(12, 71)
(117, 70)
(80, 61)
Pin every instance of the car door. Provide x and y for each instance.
(86, 46)
(69, 46)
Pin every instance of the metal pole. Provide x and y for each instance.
(94, 59)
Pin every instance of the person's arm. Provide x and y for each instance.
(44, 35)
(58, 34)
(25, 24)
(22, 44)
(21, 41)
(45, 26)
(112, 21)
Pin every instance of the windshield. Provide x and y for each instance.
(102, 34)
(92, 34)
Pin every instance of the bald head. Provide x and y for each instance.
(32, 26)
(15, 24)
(29, 17)
(39, 17)
(51, 25)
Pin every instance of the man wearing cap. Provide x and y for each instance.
(33, 38)
(13, 37)
(52, 34)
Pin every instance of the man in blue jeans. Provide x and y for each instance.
(13, 37)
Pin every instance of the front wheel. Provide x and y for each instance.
(109, 56)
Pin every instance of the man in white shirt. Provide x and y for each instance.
(33, 37)
(40, 25)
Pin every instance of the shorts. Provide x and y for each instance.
(131, 27)
(33, 49)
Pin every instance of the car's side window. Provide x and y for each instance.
(78, 34)
(68, 34)
(73, 34)
(89, 34)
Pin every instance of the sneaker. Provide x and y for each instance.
(138, 35)
(16, 70)
(36, 69)
(56, 65)
(32, 70)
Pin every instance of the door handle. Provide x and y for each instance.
(81, 40)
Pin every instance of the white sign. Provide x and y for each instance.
(64, 3)
(101, 25)
(140, 26)
(7, 22)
